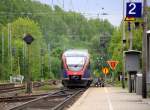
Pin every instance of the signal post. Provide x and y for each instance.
(28, 39)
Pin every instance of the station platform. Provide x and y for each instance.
(110, 98)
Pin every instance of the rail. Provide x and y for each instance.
(54, 101)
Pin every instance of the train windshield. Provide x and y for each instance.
(75, 63)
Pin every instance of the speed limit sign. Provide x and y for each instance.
(134, 9)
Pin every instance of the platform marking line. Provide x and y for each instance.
(108, 99)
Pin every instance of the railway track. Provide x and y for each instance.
(20, 98)
(4, 88)
(52, 101)
(10, 87)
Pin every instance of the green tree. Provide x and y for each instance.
(17, 31)
(60, 29)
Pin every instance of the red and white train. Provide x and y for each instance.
(76, 69)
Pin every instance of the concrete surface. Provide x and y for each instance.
(110, 98)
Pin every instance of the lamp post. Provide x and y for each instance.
(144, 50)
(28, 39)
(123, 46)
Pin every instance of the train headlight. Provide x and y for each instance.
(74, 73)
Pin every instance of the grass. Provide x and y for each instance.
(47, 88)
(4, 81)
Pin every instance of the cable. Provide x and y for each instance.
(52, 5)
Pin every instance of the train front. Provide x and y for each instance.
(76, 69)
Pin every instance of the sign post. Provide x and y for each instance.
(133, 10)
(105, 71)
(28, 39)
(112, 64)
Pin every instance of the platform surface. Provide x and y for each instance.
(110, 98)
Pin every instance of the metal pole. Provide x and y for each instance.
(52, 5)
(29, 82)
(130, 83)
(11, 65)
(63, 4)
(123, 45)
(123, 26)
(130, 34)
(9, 47)
(42, 64)
(19, 64)
(3, 48)
(8, 40)
(49, 58)
(9, 43)
(63, 9)
(131, 38)
(24, 60)
(29, 39)
(144, 50)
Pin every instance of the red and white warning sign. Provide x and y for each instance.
(112, 64)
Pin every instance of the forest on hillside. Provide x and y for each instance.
(54, 31)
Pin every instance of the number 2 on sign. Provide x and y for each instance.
(132, 9)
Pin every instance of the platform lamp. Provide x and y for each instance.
(123, 46)
(28, 39)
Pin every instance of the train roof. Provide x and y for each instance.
(76, 52)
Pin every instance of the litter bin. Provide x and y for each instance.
(139, 84)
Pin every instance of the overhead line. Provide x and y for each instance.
(30, 13)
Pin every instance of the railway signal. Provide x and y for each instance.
(29, 39)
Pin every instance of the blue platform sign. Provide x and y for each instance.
(134, 9)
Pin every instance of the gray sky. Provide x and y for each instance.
(91, 8)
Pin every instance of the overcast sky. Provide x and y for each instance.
(91, 8)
